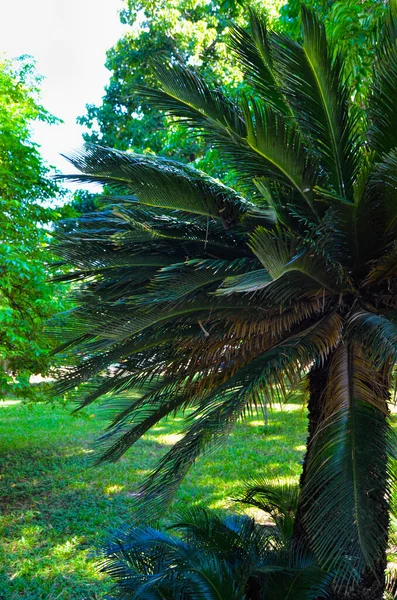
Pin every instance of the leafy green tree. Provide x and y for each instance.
(212, 304)
(196, 34)
(351, 25)
(26, 299)
(188, 31)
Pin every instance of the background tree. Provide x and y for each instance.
(188, 31)
(195, 33)
(26, 192)
(210, 303)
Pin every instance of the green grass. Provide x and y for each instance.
(57, 510)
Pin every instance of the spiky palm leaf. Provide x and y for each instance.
(280, 501)
(215, 557)
(207, 302)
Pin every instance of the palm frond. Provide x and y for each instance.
(231, 535)
(223, 405)
(252, 281)
(312, 77)
(186, 95)
(384, 268)
(281, 255)
(144, 561)
(253, 52)
(273, 150)
(295, 574)
(136, 418)
(158, 182)
(174, 282)
(216, 556)
(377, 334)
(279, 143)
(378, 206)
(345, 477)
(279, 500)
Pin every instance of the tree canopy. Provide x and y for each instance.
(192, 32)
(26, 191)
(195, 33)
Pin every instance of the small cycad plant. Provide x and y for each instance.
(206, 555)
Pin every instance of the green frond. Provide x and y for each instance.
(281, 255)
(312, 77)
(279, 143)
(295, 574)
(273, 150)
(214, 557)
(251, 281)
(158, 182)
(376, 333)
(186, 95)
(115, 322)
(253, 52)
(134, 419)
(378, 206)
(230, 535)
(174, 282)
(346, 474)
(289, 288)
(93, 359)
(279, 500)
(274, 252)
(150, 564)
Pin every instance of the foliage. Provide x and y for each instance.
(217, 556)
(57, 512)
(188, 31)
(195, 33)
(209, 300)
(349, 24)
(26, 191)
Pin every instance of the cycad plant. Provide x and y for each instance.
(218, 557)
(211, 303)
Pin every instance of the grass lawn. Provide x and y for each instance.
(56, 510)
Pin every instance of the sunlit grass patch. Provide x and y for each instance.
(57, 509)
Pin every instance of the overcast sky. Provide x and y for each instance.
(69, 39)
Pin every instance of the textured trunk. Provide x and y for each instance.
(372, 584)
(317, 382)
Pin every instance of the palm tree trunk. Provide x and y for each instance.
(372, 584)
(317, 382)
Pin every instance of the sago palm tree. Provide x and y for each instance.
(212, 303)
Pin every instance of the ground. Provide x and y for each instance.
(57, 509)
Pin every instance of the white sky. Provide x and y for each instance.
(69, 39)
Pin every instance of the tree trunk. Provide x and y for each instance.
(317, 382)
(372, 584)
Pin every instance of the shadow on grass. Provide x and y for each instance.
(56, 510)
